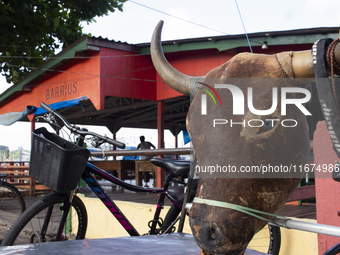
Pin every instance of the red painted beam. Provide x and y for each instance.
(160, 128)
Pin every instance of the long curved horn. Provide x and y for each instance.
(302, 62)
(175, 79)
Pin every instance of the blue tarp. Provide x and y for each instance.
(186, 137)
(130, 157)
(9, 118)
(59, 105)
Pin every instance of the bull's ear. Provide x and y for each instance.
(302, 64)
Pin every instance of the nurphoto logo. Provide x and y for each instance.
(238, 100)
(204, 97)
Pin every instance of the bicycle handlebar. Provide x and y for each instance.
(75, 129)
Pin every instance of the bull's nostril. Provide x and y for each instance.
(212, 234)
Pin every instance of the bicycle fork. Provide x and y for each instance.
(65, 208)
(44, 226)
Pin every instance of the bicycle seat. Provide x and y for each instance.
(173, 167)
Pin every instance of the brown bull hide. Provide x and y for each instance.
(224, 231)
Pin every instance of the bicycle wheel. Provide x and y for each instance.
(12, 205)
(27, 229)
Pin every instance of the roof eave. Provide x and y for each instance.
(227, 42)
(65, 55)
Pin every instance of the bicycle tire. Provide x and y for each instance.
(268, 240)
(333, 250)
(273, 241)
(12, 205)
(28, 226)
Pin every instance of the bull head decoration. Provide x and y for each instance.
(225, 231)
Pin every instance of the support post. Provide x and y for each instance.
(32, 128)
(160, 128)
(175, 131)
(114, 147)
(176, 145)
(114, 129)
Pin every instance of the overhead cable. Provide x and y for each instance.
(173, 16)
(251, 50)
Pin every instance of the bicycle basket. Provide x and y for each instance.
(55, 162)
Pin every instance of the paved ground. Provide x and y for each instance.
(174, 244)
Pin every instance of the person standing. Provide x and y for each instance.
(145, 146)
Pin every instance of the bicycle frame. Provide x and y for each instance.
(99, 191)
(110, 204)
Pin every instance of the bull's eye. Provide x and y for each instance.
(268, 124)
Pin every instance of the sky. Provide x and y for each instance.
(190, 19)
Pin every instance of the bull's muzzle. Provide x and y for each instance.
(212, 240)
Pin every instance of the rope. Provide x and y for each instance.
(243, 209)
(284, 71)
(334, 69)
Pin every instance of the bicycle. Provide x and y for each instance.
(12, 205)
(49, 218)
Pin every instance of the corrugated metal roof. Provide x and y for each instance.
(227, 42)
(270, 34)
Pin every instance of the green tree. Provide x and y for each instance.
(31, 30)
(3, 147)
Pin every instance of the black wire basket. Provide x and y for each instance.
(55, 162)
